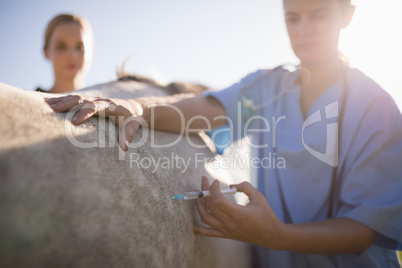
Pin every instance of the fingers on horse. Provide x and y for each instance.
(88, 110)
(208, 231)
(66, 103)
(107, 106)
(206, 216)
(53, 100)
(92, 107)
(218, 204)
(128, 129)
(210, 214)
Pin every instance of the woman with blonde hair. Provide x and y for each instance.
(68, 44)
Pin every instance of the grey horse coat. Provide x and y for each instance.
(66, 206)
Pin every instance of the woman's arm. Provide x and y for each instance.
(334, 236)
(178, 113)
(256, 223)
(195, 112)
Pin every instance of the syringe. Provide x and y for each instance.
(199, 194)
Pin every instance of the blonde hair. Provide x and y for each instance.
(67, 18)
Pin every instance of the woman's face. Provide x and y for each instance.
(314, 27)
(66, 50)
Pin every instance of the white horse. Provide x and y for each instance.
(69, 197)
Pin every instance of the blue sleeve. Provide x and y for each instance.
(230, 98)
(371, 188)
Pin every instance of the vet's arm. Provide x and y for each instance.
(256, 223)
(177, 113)
(183, 113)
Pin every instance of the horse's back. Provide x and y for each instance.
(63, 205)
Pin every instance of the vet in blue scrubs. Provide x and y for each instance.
(298, 154)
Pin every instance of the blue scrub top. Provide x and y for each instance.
(296, 156)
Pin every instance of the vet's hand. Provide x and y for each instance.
(254, 223)
(126, 113)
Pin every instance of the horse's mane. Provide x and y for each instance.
(138, 78)
(172, 88)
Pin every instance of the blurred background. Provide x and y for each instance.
(214, 42)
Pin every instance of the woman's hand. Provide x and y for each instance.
(254, 223)
(126, 113)
(257, 224)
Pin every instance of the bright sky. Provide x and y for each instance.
(215, 42)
